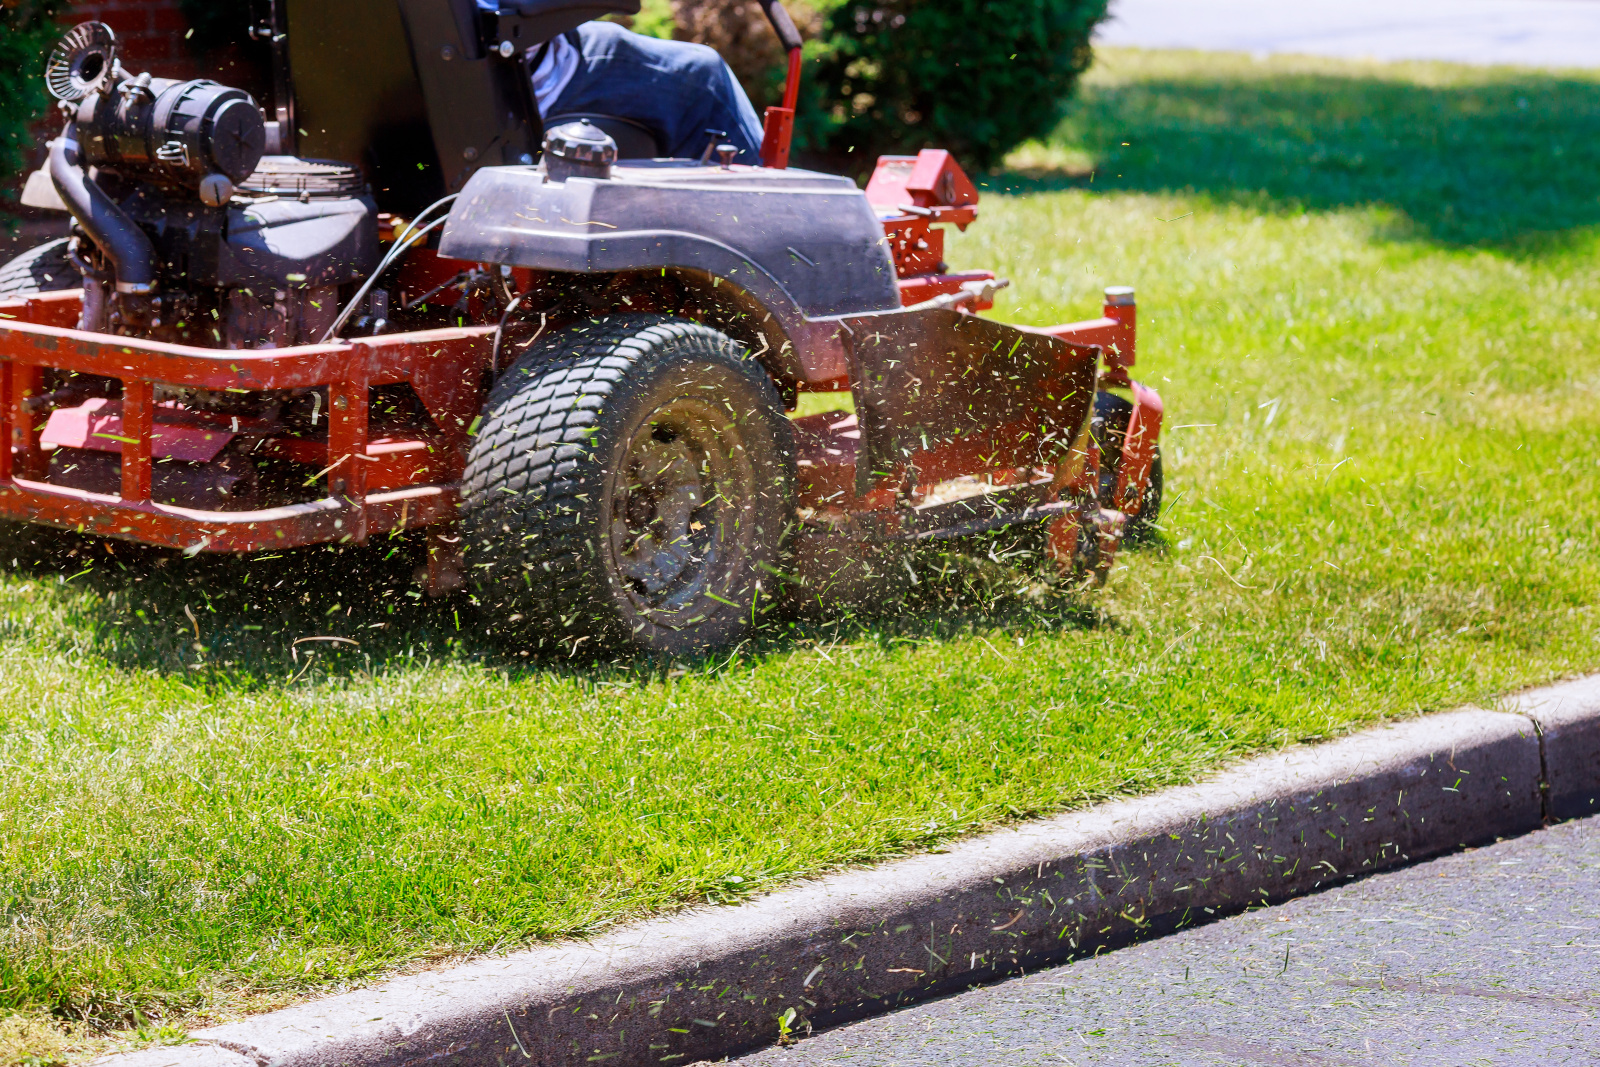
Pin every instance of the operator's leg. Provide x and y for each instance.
(678, 89)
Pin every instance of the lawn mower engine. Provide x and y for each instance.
(187, 233)
(194, 236)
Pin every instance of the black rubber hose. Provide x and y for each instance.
(782, 24)
(133, 258)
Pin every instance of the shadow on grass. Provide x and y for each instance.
(1508, 160)
(332, 612)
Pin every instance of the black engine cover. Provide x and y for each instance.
(270, 241)
(287, 242)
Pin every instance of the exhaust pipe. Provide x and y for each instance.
(132, 256)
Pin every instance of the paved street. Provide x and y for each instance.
(1541, 33)
(1491, 957)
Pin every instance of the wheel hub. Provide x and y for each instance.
(665, 521)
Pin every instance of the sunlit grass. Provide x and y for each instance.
(1381, 458)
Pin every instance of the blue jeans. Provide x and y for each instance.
(676, 89)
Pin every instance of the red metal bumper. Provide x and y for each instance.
(1115, 333)
(443, 367)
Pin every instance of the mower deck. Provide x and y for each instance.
(378, 483)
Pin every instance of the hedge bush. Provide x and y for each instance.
(978, 77)
(27, 30)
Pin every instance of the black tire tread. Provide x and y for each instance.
(528, 470)
(42, 269)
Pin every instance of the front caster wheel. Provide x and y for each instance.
(629, 486)
(1109, 427)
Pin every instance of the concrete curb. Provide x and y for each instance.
(1568, 719)
(712, 982)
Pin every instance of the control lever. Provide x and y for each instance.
(717, 137)
(777, 129)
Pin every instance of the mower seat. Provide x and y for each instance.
(634, 140)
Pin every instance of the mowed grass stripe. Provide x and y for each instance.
(1381, 472)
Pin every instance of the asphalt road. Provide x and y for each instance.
(1540, 33)
(1489, 957)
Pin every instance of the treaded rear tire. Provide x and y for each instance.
(630, 485)
(42, 269)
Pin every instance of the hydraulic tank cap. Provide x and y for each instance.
(578, 150)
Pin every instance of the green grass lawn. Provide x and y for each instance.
(1369, 295)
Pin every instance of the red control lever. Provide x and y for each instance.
(779, 128)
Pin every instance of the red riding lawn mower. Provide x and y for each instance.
(398, 302)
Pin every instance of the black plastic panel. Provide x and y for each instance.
(325, 242)
(797, 240)
(479, 105)
(358, 99)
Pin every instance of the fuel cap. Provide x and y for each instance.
(578, 149)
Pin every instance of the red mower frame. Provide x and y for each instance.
(375, 485)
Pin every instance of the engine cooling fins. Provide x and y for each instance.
(294, 178)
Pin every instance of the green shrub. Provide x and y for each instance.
(27, 30)
(975, 76)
